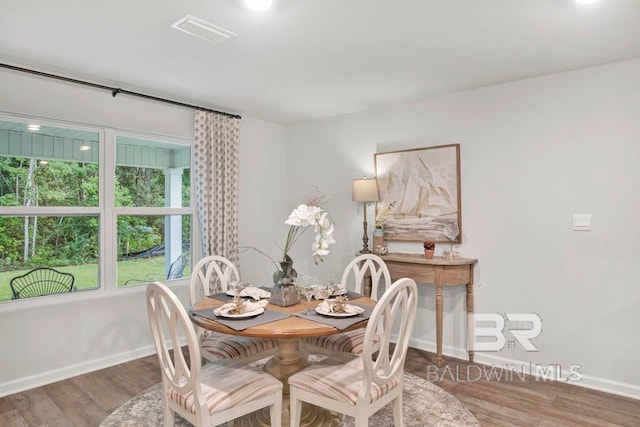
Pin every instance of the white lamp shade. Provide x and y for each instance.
(365, 190)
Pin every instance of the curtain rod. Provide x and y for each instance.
(114, 91)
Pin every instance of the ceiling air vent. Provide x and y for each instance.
(203, 29)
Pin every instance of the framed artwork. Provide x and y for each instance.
(419, 192)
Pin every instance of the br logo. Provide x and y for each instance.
(488, 330)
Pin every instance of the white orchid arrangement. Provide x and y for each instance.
(303, 217)
(383, 213)
(306, 215)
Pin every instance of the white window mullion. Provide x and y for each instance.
(108, 219)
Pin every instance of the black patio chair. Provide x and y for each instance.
(176, 269)
(41, 281)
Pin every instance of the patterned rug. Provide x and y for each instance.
(425, 404)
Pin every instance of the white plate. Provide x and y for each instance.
(242, 315)
(331, 314)
(339, 292)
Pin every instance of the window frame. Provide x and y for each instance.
(106, 211)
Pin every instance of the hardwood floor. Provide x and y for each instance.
(84, 401)
(524, 401)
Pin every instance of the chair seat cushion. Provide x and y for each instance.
(227, 383)
(344, 342)
(224, 346)
(339, 378)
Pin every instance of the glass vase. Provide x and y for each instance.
(284, 292)
(378, 241)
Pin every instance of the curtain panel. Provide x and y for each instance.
(216, 141)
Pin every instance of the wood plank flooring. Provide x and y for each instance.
(84, 401)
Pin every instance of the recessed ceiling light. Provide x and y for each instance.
(259, 5)
(586, 1)
(33, 127)
(85, 147)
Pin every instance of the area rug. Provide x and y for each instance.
(425, 404)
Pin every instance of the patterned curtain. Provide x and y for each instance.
(216, 170)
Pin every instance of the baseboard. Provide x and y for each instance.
(587, 381)
(26, 383)
(52, 376)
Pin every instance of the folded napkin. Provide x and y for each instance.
(253, 292)
(248, 307)
(330, 306)
(340, 288)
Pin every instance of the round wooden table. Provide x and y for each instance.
(291, 356)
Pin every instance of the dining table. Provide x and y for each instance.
(289, 326)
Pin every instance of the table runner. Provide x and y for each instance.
(241, 324)
(340, 323)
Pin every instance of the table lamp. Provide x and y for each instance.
(365, 190)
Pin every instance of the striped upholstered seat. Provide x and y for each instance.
(226, 384)
(366, 266)
(218, 346)
(340, 378)
(213, 274)
(344, 342)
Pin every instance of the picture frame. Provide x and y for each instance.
(419, 194)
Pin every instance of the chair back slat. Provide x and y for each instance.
(363, 266)
(169, 321)
(211, 274)
(394, 313)
(41, 281)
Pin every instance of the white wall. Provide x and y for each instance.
(533, 152)
(263, 197)
(62, 336)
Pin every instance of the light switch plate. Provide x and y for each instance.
(582, 222)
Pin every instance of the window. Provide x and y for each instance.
(153, 181)
(122, 222)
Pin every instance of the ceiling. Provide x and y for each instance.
(310, 59)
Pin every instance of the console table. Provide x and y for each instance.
(441, 272)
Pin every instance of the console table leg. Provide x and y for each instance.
(439, 325)
(470, 317)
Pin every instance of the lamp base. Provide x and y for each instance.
(365, 234)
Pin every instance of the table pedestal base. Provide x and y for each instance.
(286, 362)
(312, 416)
(289, 359)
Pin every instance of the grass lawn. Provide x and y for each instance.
(86, 276)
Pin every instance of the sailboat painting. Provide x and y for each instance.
(424, 183)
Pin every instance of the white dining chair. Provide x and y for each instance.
(217, 393)
(359, 386)
(210, 275)
(355, 275)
